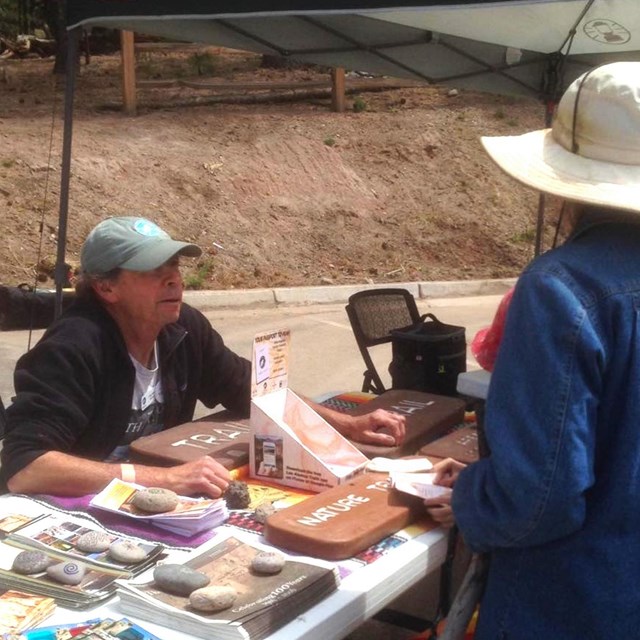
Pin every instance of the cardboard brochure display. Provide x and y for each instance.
(289, 442)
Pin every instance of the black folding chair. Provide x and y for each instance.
(373, 314)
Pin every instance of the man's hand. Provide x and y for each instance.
(379, 427)
(65, 475)
(203, 476)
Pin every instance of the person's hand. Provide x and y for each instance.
(380, 427)
(447, 472)
(203, 476)
(440, 510)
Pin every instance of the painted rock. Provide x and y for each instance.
(127, 552)
(213, 598)
(263, 511)
(237, 495)
(28, 562)
(178, 579)
(268, 562)
(70, 573)
(93, 542)
(155, 500)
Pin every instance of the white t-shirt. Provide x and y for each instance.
(147, 406)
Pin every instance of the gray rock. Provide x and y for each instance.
(268, 562)
(237, 495)
(155, 500)
(67, 572)
(28, 562)
(213, 598)
(127, 552)
(263, 511)
(178, 579)
(93, 542)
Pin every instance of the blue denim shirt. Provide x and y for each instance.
(557, 503)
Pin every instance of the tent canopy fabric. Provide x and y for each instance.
(531, 47)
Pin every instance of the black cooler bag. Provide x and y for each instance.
(428, 356)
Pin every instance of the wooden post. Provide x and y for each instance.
(337, 89)
(128, 73)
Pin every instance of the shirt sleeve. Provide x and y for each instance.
(539, 422)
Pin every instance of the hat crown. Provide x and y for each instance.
(598, 117)
(130, 242)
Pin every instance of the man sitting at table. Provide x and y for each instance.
(128, 359)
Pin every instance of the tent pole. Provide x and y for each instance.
(548, 119)
(60, 274)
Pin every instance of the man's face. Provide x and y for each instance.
(148, 298)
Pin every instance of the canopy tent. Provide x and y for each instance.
(530, 47)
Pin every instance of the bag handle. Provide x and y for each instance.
(424, 316)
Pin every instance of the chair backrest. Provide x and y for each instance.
(373, 313)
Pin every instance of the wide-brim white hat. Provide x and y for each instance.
(592, 152)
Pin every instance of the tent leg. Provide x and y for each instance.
(548, 119)
(60, 274)
(539, 224)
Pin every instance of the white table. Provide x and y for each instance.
(363, 593)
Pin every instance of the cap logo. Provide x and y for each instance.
(147, 228)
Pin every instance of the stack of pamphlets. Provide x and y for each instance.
(264, 602)
(22, 611)
(418, 484)
(189, 517)
(56, 534)
(98, 629)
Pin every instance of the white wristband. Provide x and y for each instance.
(128, 473)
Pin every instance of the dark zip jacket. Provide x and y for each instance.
(74, 388)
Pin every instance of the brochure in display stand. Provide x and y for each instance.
(290, 443)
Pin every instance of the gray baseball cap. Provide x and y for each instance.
(132, 243)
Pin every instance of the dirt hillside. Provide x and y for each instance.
(280, 192)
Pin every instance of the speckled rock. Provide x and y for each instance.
(127, 552)
(93, 542)
(178, 579)
(268, 562)
(29, 562)
(263, 511)
(213, 598)
(155, 500)
(70, 573)
(237, 495)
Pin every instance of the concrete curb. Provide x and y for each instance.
(206, 300)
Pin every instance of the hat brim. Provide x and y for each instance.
(155, 254)
(538, 161)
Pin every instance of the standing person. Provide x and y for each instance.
(127, 359)
(555, 504)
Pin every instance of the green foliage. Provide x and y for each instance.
(26, 17)
(7, 164)
(329, 141)
(527, 236)
(359, 104)
(199, 279)
(9, 26)
(203, 63)
(499, 114)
